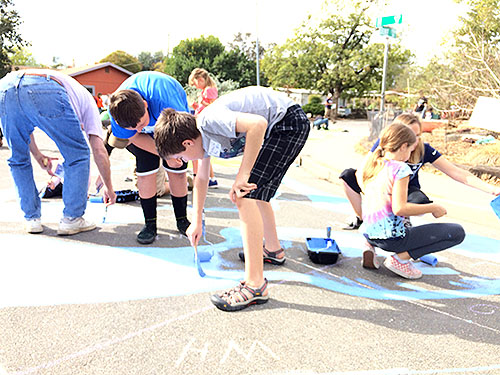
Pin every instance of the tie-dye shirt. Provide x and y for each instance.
(378, 219)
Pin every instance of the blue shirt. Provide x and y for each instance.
(430, 156)
(160, 91)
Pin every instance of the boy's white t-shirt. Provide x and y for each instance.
(217, 122)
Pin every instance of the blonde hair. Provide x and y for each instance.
(391, 139)
(409, 119)
(201, 73)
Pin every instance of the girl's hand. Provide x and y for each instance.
(438, 211)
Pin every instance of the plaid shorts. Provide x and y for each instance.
(278, 152)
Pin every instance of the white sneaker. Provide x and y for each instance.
(69, 226)
(406, 270)
(34, 225)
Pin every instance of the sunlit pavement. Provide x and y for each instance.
(100, 303)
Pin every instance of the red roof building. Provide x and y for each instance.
(101, 78)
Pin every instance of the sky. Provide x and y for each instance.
(80, 32)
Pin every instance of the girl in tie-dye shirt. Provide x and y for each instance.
(385, 179)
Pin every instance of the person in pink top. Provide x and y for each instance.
(385, 178)
(200, 79)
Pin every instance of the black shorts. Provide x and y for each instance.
(279, 150)
(147, 163)
(415, 195)
(349, 177)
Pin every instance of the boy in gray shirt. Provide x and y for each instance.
(269, 130)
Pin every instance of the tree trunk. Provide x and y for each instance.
(336, 97)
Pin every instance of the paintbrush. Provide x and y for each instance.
(197, 260)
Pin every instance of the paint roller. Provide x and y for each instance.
(429, 259)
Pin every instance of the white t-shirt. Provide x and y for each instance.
(81, 100)
(217, 122)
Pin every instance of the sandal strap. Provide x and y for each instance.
(273, 254)
(238, 295)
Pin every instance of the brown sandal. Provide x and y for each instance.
(240, 297)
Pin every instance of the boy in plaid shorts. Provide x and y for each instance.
(270, 130)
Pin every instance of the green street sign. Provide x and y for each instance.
(387, 31)
(389, 20)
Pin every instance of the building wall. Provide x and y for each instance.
(105, 80)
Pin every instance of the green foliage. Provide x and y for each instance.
(193, 53)
(336, 57)
(21, 56)
(150, 61)
(470, 68)
(9, 35)
(124, 60)
(315, 99)
(314, 108)
(209, 53)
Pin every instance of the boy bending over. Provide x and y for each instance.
(270, 130)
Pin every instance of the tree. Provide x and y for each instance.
(472, 66)
(21, 56)
(151, 61)
(210, 54)
(9, 36)
(336, 57)
(193, 53)
(248, 45)
(124, 60)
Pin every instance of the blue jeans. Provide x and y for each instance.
(29, 101)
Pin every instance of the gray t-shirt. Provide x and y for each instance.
(217, 122)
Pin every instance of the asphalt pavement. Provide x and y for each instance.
(100, 303)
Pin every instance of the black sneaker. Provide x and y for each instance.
(147, 235)
(53, 193)
(354, 225)
(182, 225)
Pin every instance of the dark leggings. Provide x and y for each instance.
(423, 239)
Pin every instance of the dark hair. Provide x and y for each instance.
(173, 128)
(126, 107)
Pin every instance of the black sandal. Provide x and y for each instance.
(269, 256)
(236, 299)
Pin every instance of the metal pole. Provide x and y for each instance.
(257, 41)
(384, 74)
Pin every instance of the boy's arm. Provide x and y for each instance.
(199, 196)
(255, 127)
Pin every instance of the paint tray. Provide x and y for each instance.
(495, 204)
(322, 250)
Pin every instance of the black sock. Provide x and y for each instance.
(149, 211)
(180, 206)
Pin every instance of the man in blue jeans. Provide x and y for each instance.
(64, 110)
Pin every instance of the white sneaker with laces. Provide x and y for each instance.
(406, 270)
(69, 226)
(34, 225)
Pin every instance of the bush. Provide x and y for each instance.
(314, 109)
(314, 99)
